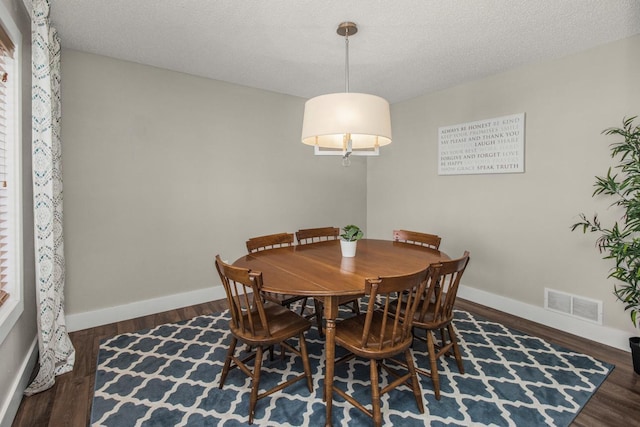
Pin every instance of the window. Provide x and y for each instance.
(11, 302)
(6, 58)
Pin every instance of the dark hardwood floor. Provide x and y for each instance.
(68, 402)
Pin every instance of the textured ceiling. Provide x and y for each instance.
(404, 48)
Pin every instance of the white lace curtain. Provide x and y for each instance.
(57, 354)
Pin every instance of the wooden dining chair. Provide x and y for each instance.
(435, 313)
(273, 241)
(417, 238)
(259, 325)
(314, 235)
(309, 236)
(381, 333)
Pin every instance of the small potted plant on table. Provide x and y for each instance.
(349, 240)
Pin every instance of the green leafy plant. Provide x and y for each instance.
(621, 242)
(351, 233)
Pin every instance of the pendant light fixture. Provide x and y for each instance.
(346, 124)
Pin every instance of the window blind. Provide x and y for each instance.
(6, 54)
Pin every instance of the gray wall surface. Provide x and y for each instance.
(516, 226)
(164, 170)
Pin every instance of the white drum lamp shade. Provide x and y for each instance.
(329, 120)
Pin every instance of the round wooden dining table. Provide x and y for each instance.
(319, 270)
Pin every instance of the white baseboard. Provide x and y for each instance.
(602, 334)
(91, 319)
(10, 406)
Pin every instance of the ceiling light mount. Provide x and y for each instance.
(347, 29)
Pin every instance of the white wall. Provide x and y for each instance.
(18, 349)
(164, 170)
(516, 226)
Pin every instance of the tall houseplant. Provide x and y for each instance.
(621, 242)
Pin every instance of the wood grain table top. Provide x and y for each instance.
(319, 269)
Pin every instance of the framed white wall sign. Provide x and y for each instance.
(486, 146)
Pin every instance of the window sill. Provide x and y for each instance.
(10, 312)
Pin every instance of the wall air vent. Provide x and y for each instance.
(573, 305)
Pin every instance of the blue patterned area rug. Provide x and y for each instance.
(169, 376)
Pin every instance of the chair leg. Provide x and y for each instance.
(375, 394)
(319, 307)
(417, 391)
(434, 364)
(227, 361)
(456, 349)
(303, 307)
(356, 306)
(305, 360)
(255, 384)
(443, 339)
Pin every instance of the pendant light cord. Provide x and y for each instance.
(346, 61)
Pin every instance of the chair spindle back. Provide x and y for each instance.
(271, 241)
(242, 287)
(386, 299)
(314, 235)
(417, 238)
(440, 294)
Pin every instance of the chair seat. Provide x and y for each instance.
(282, 299)
(427, 319)
(342, 300)
(349, 336)
(346, 299)
(428, 322)
(283, 323)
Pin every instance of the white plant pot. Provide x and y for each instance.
(348, 248)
